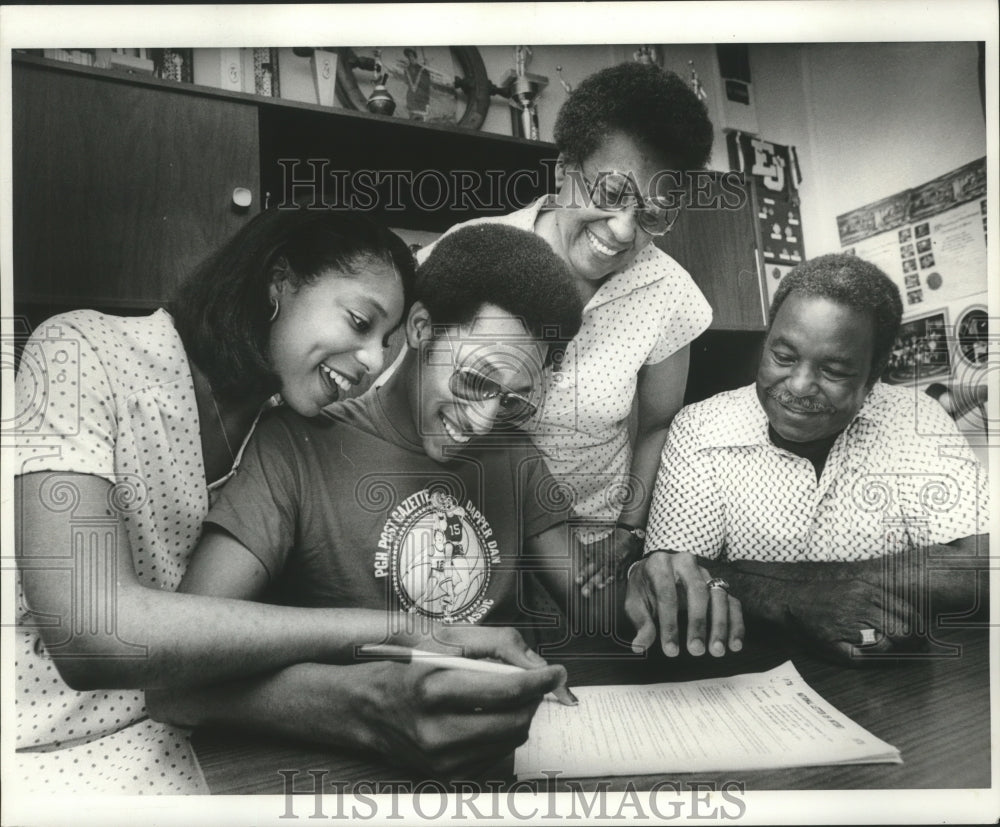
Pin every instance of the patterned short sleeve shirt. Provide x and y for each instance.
(112, 397)
(899, 475)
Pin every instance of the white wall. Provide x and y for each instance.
(868, 119)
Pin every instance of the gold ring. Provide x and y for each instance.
(718, 583)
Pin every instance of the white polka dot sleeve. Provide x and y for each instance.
(687, 511)
(688, 315)
(66, 408)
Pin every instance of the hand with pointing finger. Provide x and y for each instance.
(652, 604)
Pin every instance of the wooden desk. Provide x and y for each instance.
(934, 708)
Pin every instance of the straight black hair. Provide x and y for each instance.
(222, 311)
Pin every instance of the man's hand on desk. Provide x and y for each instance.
(849, 618)
(652, 604)
(837, 616)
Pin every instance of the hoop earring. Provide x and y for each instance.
(275, 309)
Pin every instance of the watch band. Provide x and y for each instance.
(636, 531)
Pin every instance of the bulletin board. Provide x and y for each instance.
(931, 240)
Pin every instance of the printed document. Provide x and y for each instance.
(747, 722)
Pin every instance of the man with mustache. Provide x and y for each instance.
(822, 497)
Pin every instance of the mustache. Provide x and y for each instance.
(803, 404)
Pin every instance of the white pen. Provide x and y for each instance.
(404, 654)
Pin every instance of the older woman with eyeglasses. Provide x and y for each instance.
(626, 135)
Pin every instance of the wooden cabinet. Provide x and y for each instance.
(718, 246)
(120, 188)
(410, 175)
(122, 184)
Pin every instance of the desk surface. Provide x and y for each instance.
(934, 707)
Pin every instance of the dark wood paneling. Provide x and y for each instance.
(717, 247)
(123, 184)
(722, 360)
(121, 189)
(412, 175)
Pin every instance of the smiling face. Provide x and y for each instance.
(494, 345)
(595, 243)
(813, 374)
(332, 331)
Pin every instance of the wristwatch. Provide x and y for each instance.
(635, 531)
(634, 554)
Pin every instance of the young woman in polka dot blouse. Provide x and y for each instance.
(126, 428)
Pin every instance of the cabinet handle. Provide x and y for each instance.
(242, 197)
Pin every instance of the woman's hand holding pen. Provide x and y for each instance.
(492, 643)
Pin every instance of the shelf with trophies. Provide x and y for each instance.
(123, 181)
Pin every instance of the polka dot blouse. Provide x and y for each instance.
(113, 397)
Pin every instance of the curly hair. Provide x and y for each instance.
(855, 283)
(645, 102)
(222, 311)
(511, 268)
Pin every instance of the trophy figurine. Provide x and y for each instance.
(380, 101)
(521, 88)
(646, 55)
(696, 85)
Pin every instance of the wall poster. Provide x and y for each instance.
(931, 240)
(774, 171)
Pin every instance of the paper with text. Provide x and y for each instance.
(747, 722)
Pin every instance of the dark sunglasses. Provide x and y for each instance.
(614, 191)
(469, 385)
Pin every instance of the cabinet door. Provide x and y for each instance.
(121, 189)
(717, 246)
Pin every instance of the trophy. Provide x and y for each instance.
(380, 101)
(696, 85)
(646, 55)
(521, 89)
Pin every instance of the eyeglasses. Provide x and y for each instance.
(614, 191)
(469, 385)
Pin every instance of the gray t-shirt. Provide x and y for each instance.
(344, 511)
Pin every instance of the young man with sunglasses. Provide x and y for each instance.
(410, 507)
